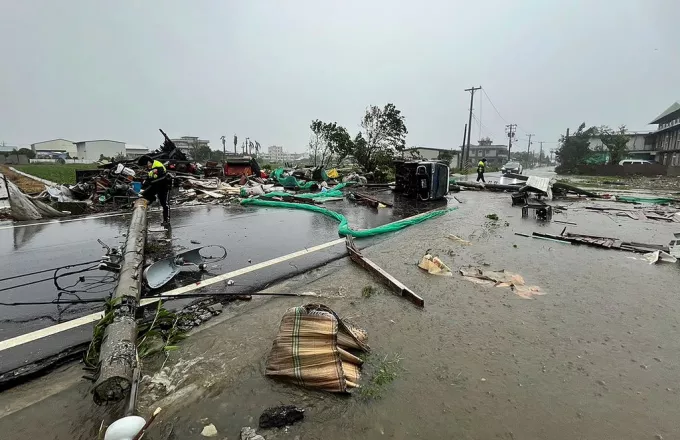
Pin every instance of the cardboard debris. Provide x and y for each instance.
(501, 278)
(434, 266)
(458, 240)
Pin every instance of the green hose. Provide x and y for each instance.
(343, 228)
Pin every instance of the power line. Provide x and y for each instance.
(499, 113)
(488, 130)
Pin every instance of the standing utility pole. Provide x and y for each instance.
(540, 153)
(469, 129)
(510, 130)
(528, 150)
(462, 149)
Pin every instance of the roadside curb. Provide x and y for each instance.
(30, 176)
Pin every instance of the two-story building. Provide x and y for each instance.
(640, 145)
(667, 138)
(496, 155)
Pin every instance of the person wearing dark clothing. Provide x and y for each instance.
(156, 185)
(481, 166)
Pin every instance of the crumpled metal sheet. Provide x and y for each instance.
(542, 184)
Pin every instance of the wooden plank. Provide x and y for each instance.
(385, 277)
(372, 200)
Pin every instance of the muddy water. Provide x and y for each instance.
(596, 357)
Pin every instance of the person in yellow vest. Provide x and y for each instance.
(481, 166)
(156, 185)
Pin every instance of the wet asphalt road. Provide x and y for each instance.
(250, 235)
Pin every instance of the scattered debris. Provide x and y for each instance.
(386, 278)
(209, 431)
(542, 211)
(280, 416)
(605, 242)
(125, 428)
(543, 238)
(492, 216)
(162, 271)
(458, 240)
(248, 433)
(656, 256)
(501, 278)
(434, 266)
(312, 349)
(674, 246)
(565, 223)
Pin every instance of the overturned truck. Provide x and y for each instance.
(425, 180)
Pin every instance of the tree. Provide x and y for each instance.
(199, 151)
(485, 141)
(574, 149)
(445, 156)
(27, 152)
(383, 133)
(329, 140)
(616, 141)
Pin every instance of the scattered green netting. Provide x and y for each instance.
(343, 228)
(319, 195)
(652, 200)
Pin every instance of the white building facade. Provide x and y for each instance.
(55, 146)
(94, 150)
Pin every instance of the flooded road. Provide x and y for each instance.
(593, 358)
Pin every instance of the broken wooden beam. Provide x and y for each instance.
(387, 279)
(372, 200)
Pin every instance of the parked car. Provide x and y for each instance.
(512, 167)
(635, 161)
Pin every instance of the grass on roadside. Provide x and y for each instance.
(25, 184)
(57, 173)
(382, 373)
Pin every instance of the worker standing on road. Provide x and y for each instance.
(156, 185)
(481, 166)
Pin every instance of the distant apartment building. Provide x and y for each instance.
(276, 153)
(186, 143)
(93, 150)
(495, 155)
(55, 146)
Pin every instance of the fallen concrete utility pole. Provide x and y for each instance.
(386, 278)
(118, 352)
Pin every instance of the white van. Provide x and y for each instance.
(635, 161)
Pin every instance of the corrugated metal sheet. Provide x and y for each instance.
(541, 184)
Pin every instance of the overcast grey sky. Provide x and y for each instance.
(264, 69)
